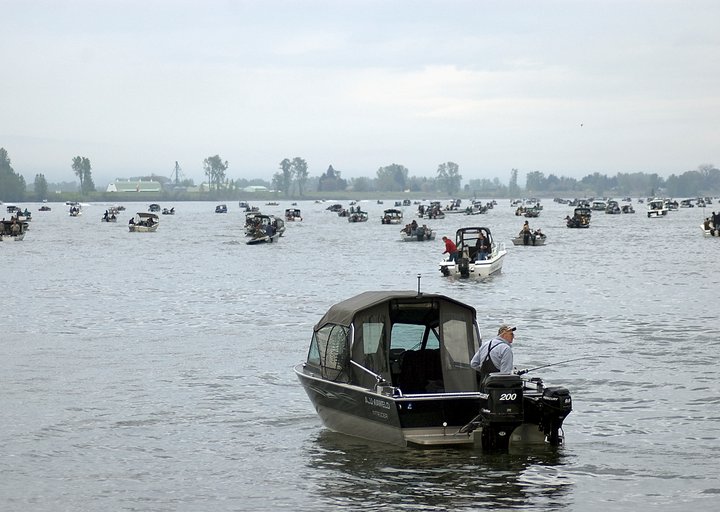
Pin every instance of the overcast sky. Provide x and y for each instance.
(563, 87)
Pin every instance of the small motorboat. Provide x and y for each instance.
(263, 234)
(293, 214)
(154, 208)
(394, 367)
(221, 208)
(144, 222)
(12, 230)
(709, 229)
(580, 219)
(392, 216)
(656, 208)
(170, 211)
(468, 265)
(358, 215)
(415, 233)
(256, 222)
(536, 238)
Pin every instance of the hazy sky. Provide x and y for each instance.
(563, 87)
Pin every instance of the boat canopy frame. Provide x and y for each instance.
(417, 343)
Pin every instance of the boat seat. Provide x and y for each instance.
(421, 372)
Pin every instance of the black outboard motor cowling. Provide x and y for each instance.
(555, 405)
(464, 267)
(504, 411)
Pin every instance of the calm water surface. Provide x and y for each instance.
(153, 372)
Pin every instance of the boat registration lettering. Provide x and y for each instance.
(380, 414)
(508, 396)
(376, 402)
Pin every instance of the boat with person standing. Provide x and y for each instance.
(12, 230)
(394, 367)
(470, 262)
(144, 222)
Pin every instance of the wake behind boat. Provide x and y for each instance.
(394, 367)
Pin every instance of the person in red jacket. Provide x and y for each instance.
(450, 249)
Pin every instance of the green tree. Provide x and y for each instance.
(89, 184)
(41, 187)
(12, 186)
(215, 171)
(331, 181)
(392, 178)
(535, 182)
(449, 178)
(300, 171)
(77, 167)
(286, 166)
(513, 188)
(82, 168)
(362, 184)
(277, 182)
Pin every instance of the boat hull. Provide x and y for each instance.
(414, 238)
(263, 240)
(710, 232)
(12, 238)
(534, 241)
(432, 420)
(134, 228)
(478, 269)
(399, 421)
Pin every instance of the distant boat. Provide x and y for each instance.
(144, 222)
(468, 265)
(12, 230)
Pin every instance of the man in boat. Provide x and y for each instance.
(483, 247)
(526, 233)
(450, 249)
(495, 356)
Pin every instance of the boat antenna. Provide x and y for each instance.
(523, 372)
(418, 278)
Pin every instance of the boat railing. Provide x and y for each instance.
(439, 396)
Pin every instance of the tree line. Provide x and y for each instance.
(293, 180)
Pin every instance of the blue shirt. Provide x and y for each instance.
(501, 355)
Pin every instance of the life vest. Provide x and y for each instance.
(487, 367)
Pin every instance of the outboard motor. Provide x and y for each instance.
(504, 410)
(464, 264)
(555, 405)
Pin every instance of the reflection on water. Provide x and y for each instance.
(371, 476)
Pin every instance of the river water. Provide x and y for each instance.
(153, 371)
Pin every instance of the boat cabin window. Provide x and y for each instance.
(412, 337)
(372, 333)
(329, 352)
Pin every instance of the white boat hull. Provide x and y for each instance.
(710, 232)
(476, 269)
(12, 238)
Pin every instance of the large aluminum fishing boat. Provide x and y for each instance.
(394, 367)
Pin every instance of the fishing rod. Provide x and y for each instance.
(523, 372)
